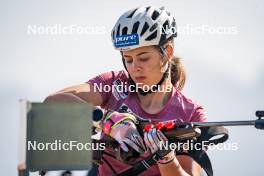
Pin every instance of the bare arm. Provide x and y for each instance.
(180, 166)
(78, 93)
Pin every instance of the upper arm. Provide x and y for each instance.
(78, 93)
(98, 91)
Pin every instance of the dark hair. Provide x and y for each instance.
(178, 76)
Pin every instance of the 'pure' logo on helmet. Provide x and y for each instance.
(126, 40)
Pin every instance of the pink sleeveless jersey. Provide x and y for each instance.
(178, 107)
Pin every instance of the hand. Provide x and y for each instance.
(122, 128)
(21, 166)
(154, 140)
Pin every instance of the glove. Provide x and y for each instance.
(153, 140)
(122, 128)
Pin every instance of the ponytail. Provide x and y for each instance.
(178, 76)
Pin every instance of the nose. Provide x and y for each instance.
(136, 66)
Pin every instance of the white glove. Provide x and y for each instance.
(124, 131)
(153, 140)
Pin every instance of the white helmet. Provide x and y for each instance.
(143, 26)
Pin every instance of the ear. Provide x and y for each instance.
(170, 50)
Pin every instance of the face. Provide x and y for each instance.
(144, 65)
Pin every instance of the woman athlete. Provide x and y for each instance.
(154, 78)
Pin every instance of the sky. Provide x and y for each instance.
(220, 43)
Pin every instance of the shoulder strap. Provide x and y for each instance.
(200, 156)
(207, 133)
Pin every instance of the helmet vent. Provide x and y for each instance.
(135, 27)
(132, 13)
(118, 30)
(168, 13)
(113, 35)
(165, 26)
(173, 27)
(152, 36)
(162, 39)
(144, 29)
(147, 8)
(155, 15)
(154, 26)
(124, 31)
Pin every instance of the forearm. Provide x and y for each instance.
(172, 168)
(83, 93)
(64, 97)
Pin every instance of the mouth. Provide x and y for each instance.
(140, 78)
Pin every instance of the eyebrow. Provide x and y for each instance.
(137, 54)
